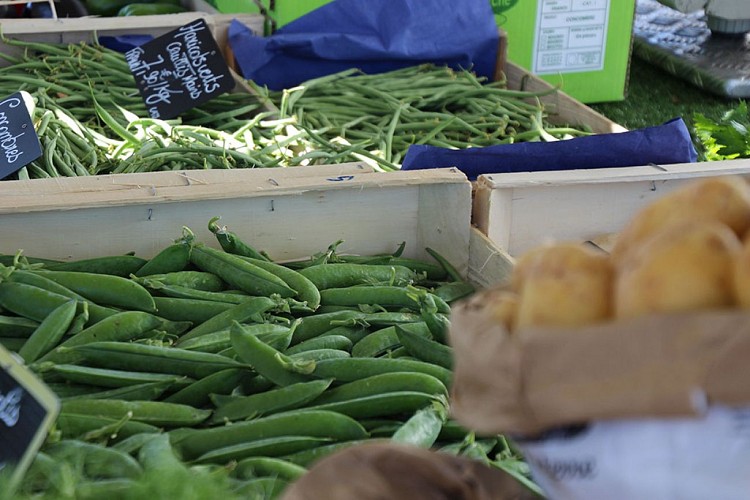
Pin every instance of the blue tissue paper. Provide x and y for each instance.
(662, 144)
(374, 36)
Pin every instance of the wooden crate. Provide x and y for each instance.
(291, 213)
(86, 29)
(520, 210)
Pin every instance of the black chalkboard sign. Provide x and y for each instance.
(179, 70)
(19, 144)
(27, 410)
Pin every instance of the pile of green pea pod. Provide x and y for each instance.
(223, 367)
(91, 119)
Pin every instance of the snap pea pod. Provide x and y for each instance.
(196, 280)
(96, 312)
(123, 326)
(267, 466)
(426, 349)
(326, 276)
(49, 332)
(314, 423)
(97, 461)
(13, 326)
(231, 243)
(157, 413)
(239, 273)
(148, 358)
(273, 401)
(245, 311)
(138, 392)
(104, 289)
(266, 447)
(173, 258)
(116, 265)
(423, 428)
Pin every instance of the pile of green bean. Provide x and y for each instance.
(223, 364)
(92, 120)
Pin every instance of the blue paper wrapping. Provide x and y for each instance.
(374, 36)
(662, 144)
(124, 43)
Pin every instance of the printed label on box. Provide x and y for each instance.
(570, 36)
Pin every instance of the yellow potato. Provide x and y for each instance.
(565, 285)
(684, 268)
(741, 276)
(724, 199)
(503, 306)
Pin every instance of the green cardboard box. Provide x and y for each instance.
(583, 46)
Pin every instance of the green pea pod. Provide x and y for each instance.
(135, 442)
(139, 392)
(454, 290)
(381, 341)
(49, 332)
(265, 447)
(105, 377)
(198, 393)
(350, 369)
(425, 349)
(306, 290)
(12, 343)
(104, 289)
(31, 302)
(382, 295)
(238, 272)
(96, 312)
(15, 327)
(82, 426)
(267, 466)
(232, 243)
(158, 456)
(267, 361)
(156, 413)
(99, 462)
(116, 265)
(240, 312)
(314, 355)
(123, 326)
(173, 258)
(379, 405)
(449, 268)
(323, 342)
(423, 428)
(277, 336)
(183, 292)
(195, 311)
(273, 401)
(307, 457)
(149, 358)
(326, 276)
(197, 280)
(326, 424)
(318, 324)
(383, 383)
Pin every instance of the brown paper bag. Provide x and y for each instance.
(537, 379)
(389, 471)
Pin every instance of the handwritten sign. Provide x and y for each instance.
(27, 410)
(19, 144)
(179, 70)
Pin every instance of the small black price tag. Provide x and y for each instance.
(179, 70)
(19, 144)
(27, 410)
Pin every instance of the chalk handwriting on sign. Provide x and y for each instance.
(27, 410)
(179, 70)
(19, 144)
